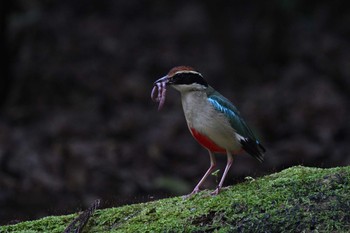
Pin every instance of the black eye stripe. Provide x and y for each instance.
(188, 78)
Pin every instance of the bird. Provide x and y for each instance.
(214, 122)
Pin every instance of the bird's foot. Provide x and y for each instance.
(195, 191)
(216, 191)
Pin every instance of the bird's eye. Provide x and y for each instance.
(188, 79)
(173, 80)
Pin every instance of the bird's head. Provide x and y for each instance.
(184, 78)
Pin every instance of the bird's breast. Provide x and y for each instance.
(209, 127)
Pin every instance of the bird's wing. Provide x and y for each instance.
(248, 140)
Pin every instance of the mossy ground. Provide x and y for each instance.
(294, 200)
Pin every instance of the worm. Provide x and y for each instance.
(161, 93)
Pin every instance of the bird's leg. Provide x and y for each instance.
(227, 168)
(210, 169)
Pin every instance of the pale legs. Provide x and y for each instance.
(210, 169)
(227, 168)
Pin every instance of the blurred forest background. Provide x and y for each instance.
(77, 122)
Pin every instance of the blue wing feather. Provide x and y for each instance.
(250, 142)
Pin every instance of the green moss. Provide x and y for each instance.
(48, 224)
(296, 199)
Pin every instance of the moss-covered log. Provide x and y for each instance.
(293, 200)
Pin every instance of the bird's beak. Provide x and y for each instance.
(164, 79)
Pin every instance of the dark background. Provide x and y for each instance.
(77, 122)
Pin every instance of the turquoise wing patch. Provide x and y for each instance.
(249, 142)
(223, 105)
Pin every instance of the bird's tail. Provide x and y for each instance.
(254, 148)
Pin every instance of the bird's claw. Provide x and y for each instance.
(195, 191)
(216, 191)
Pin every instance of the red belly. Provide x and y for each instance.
(206, 142)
